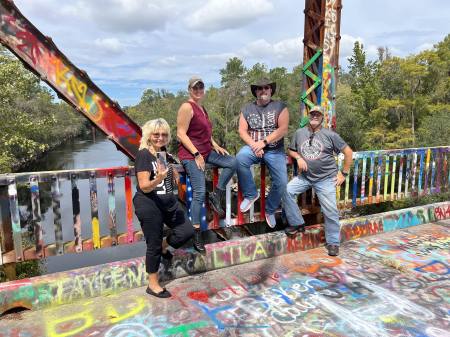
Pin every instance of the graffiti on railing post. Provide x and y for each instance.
(76, 223)
(112, 225)
(37, 218)
(57, 225)
(15, 219)
(95, 224)
(129, 208)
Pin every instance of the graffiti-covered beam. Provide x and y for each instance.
(321, 57)
(40, 55)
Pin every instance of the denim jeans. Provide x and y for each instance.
(276, 163)
(197, 177)
(326, 192)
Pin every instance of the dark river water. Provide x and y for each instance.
(82, 154)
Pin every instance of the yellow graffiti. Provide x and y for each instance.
(79, 89)
(96, 232)
(85, 316)
(115, 317)
(259, 249)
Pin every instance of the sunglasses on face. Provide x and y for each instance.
(266, 87)
(198, 86)
(160, 135)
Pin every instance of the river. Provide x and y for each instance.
(82, 154)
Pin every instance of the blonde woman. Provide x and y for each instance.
(155, 204)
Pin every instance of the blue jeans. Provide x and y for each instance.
(197, 176)
(276, 163)
(326, 192)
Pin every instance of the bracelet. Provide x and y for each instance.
(196, 154)
(345, 174)
(265, 141)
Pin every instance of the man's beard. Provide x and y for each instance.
(265, 97)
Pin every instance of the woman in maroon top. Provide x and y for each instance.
(196, 148)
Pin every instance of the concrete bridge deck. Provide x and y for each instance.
(390, 284)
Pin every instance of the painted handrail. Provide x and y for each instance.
(407, 172)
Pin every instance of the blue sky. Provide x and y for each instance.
(127, 46)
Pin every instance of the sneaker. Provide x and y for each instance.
(333, 250)
(247, 203)
(271, 221)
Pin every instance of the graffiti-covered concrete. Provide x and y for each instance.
(66, 287)
(391, 284)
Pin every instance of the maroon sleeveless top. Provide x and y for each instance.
(199, 132)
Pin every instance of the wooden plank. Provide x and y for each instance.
(400, 175)
(95, 224)
(393, 172)
(112, 222)
(421, 169)
(414, 169)
(433, 171)
(372, 167)
(76, 223)
(380, 162)
(427, 172)
(129, 209)
(386, 176)
(363, 179)
(408, 159)
(57, 225)
(37, 217)
(355, 180)
(15, 219)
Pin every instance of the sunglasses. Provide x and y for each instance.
(198, 86)
(160, 135)
(266, 87)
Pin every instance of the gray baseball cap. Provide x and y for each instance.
(194, 80)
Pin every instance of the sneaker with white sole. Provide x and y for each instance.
(247, 203)
(271, 221)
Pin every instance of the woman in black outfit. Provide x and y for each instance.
(155, 204)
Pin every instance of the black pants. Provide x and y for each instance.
(152, 219)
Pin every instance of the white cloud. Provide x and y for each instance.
(424, 46)
(219, 15)
(109, 45)
(285, 51)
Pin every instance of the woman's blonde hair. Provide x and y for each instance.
(153, 126)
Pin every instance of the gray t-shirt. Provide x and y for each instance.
(319, 156)
(263, 120)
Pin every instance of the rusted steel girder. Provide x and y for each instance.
(321, 57)
(40, 55)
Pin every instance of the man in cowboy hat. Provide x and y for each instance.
(262, 126)
(313, 148)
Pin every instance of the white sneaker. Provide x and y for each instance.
(247, 203)
(271, 221)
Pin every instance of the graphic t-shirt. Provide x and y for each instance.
(263, 120)
(318, 151)
(163, 193)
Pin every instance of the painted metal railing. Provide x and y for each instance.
(387, 175)
(376, 176)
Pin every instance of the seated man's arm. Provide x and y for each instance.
(282, 130)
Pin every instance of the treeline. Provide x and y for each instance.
(31, 121)
(389, 103)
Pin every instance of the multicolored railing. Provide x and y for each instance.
(376, 176)
(387, 175)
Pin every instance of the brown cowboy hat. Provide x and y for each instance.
(262, 82)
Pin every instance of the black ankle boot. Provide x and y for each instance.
(198, 241)
(216, 201)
